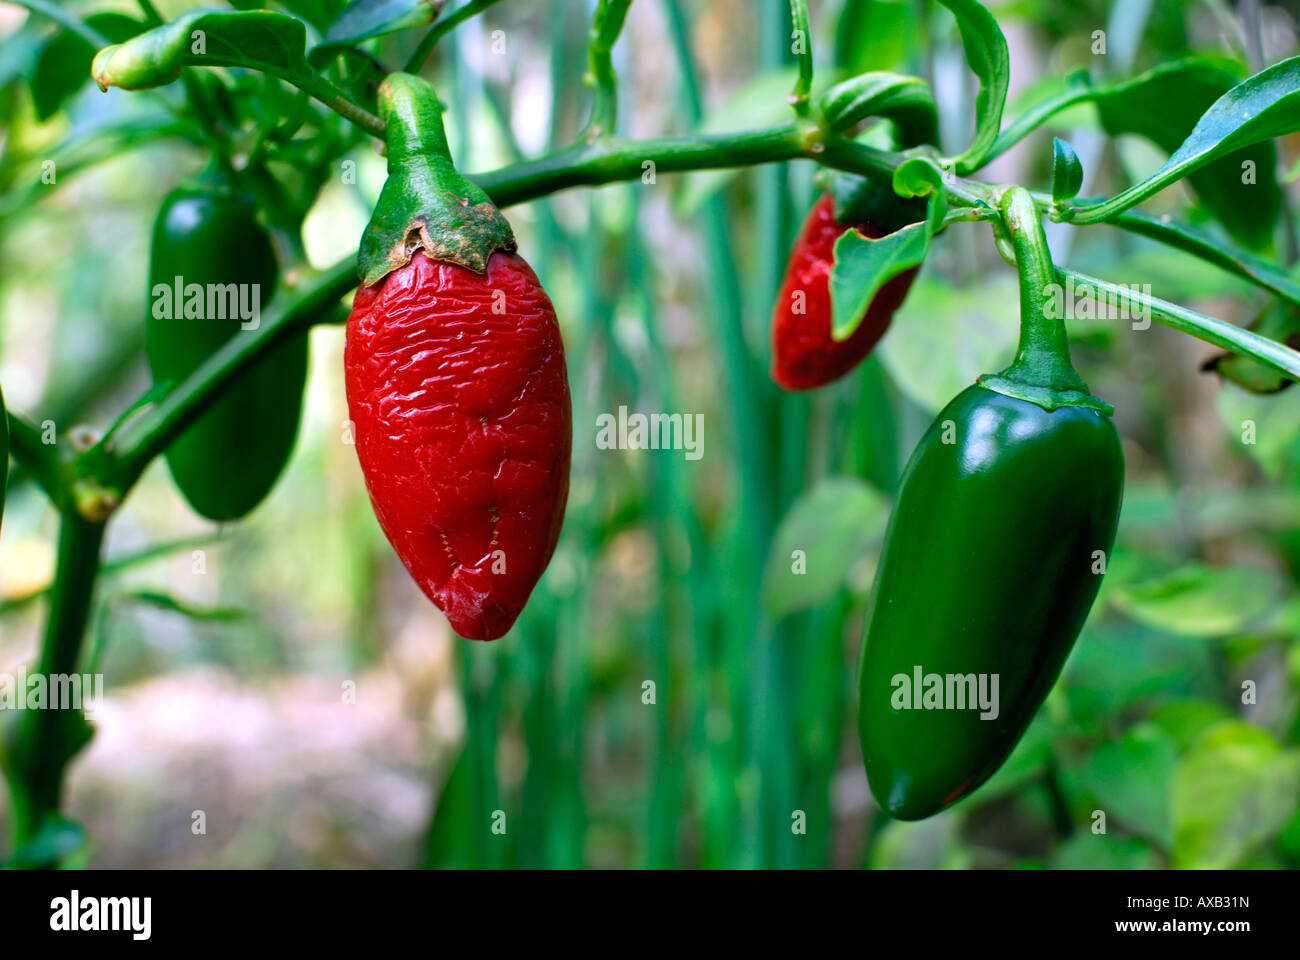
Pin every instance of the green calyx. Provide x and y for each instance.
(859, 200)
(425, 204)
(1041, 372)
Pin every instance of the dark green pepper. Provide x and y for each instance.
(228, 460)
(993, 557)
(1005, 518)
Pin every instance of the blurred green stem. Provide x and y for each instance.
(606, 25)
(38, 458)
(802, 46)
(441, 29)
(47, 739)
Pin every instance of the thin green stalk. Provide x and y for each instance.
(441, 29)
(1210, 329)
(802, 45)
(1043, 355)
(39, 459)
(606, 25)
(1036, 116)
(124, 455)
(1222, 253)
(606, 161)
(725, 663)
(69, 21)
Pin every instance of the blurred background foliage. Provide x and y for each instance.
(673, 695)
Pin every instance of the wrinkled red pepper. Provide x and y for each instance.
(459, 397)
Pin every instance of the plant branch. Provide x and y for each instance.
(608, 160)
(1210, 329)
(1035, 116)
(46, 740)
(117, 462)
(606, 25)
(39, 459)
(1220, 252)
(52, 11)
(803, 52)
(440, 29)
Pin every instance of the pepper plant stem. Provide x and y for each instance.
(1245, 343)
(47, 739)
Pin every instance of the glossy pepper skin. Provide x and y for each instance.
(804, 355)
(228, 459)
(989, 567)
(463, 427)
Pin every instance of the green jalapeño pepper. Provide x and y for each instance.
(1005, 518)
(213, 271)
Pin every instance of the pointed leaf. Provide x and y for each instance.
(259, 40)
(1067, 171)
(986, 53)
(824, 533)
(367, 19)
(1260, 108)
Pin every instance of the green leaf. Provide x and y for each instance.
(1199, 601)
(1235, 788)
(932, 844)
(942, 338)
(63, 65)
(1067, 171)
(319, 13)
(367, 19)
(1260, 108)
(875, 34)
(863, 265)
(1131, 779)
(165, 601)
(1183, 721)
(1086, 850)
(907, 101)
(273, 43)
(1111, 670)
(825, 532)
(1164, 105)
(1264, 426)
(986, 53)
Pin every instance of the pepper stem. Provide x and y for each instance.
(1041, 372)
(425, 204)
(412, 115)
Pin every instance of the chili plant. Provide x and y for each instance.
(277, 99)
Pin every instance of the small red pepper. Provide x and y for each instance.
(804, 355)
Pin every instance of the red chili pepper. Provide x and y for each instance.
(459, 397)
(803, 353)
